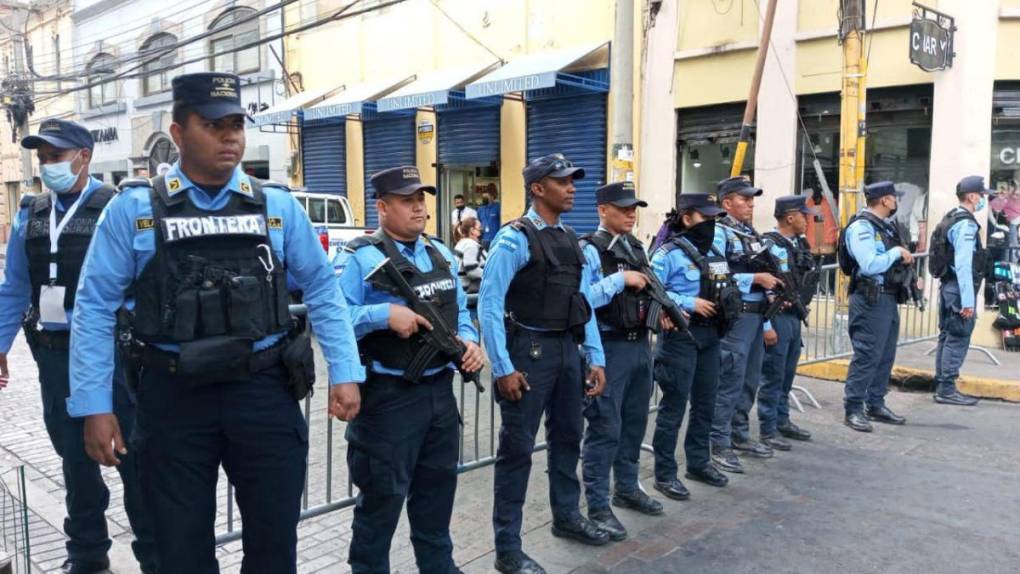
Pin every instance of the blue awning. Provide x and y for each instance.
(282, 112)
(537, 71)
(433, 88)
(353, 99)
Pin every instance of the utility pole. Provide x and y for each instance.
(18, 89)
(853, 127)
(622, 71)
(752, 99)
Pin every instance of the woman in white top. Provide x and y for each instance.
(469, 251)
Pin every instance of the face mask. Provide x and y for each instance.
(982, 203)
(894, 209)
(701, 235)
(58, 177)
(485, 200)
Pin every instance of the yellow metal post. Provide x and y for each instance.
(853, 124)
(752, 99)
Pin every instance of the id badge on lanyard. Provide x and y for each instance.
(51, 297)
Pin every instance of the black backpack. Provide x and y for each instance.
(941, 252)
(847, 264)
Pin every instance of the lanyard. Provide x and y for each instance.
(56, 229)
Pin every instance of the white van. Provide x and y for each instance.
(332, 217)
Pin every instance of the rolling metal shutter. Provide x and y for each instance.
(469, 136)
(389, 142)
(324, 155)
(572, 123)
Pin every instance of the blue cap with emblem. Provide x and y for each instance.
(789, 203)
(704, 203)
(552, 165)
(61, 134)
(212, 95)
(404, 180)
(880, 189)
(620, 194)
(972, 184)
(739, 184)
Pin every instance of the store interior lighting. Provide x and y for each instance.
(695, 158)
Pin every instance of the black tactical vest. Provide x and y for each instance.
(628, 309)
(887, 234)
(802, 265)
(750, 242)
(438, 286)
(71, 247)
(942, 247)
(716, 282)
(545, 294)
(214, 273)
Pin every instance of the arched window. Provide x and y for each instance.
(101, 66)
(158, 53)
(239, 28)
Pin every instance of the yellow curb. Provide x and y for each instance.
(981, 387)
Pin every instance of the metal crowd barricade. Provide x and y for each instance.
(327, 483)
(15, 546)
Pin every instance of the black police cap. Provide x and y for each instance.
(738, 184)
(61, 134)
(971, 184)
(552, 165)
(706, 204)
(620, 194)
(212, 95)
(789, 203)
(403, 180)
(880, 189)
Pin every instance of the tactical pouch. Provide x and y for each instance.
(731, 305)
(246, 307)
(214, 359)
(299, 360)
(186, 315)
(578, 315)
(210, 301)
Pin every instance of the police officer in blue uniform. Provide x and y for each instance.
(50, 236)
(743, 346)
(617, 419)
(874, 248)
(791, 250)
(696, 276)
(404, 443)
(965, 268)
(534, 310)
(200, 257)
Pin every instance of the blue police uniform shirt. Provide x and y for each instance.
(728, 243)
(602, 289)
(866, 247)
(16, 288)
(120, 251)
(679, 274)
(370, 308)
(489, 216)
(780, 252)
(508, 255)
(963, 236)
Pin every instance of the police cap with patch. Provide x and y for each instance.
(880, 189)
(789, 203)
(704, 203)
(739, 184)
(620, 194)
(972, 184)
(212, 95)
(61, 134)
(404, 180)
(552, 165)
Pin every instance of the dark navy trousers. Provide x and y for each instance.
(552, 363)
(741, 352)
(954, 338)
(874, 330)
(617, 421)
(777, 373)
(403, 445)
(687, 372)
(87, 496)
(256, 430)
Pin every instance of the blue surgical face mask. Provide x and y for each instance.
(982, 203)
(58, 177)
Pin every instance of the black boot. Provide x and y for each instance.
(580, 529)
(673, 489)
(517, 562)
(606, 520)
(709, 475)
(883, 414)
(775, 442)
(793, 432)
(953, 397)
(638, 500)
(857, 421)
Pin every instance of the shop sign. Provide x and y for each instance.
(931, 39)
(105, 135)
(426, 130)
(1008, 156)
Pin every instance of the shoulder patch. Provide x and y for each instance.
(143, 223)
(173, 185)
(275, 222)
(245, 188)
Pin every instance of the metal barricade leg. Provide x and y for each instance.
(807, 394)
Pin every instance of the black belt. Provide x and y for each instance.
(755, 307)
(640, 334)
(52, 340)
(154, 358)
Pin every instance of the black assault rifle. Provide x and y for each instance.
(661, 303)
(785, 297)
(440, 340)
